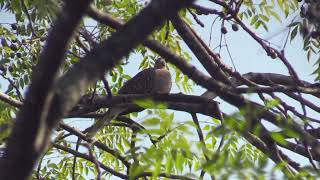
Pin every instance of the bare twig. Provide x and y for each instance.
(89, 158)
(201, 139)
(95, 161)
(11, 82)
(107, 87)
(195, 17)
(25, 10)
(100, 145)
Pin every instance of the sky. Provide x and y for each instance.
(247, 55)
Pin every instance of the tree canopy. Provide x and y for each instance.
(62, 63)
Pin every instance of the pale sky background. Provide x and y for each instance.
(247, 54)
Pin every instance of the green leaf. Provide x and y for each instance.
(293, 24)
(275, 15)
(294, 33)
(151, 122)
(149, 103)
(278, 137)
(254, 20)
(265, 18)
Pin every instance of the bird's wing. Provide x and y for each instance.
(150, 80)
(142, 83)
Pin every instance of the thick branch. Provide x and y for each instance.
(28, 139)
(284, 89)
(296, 148)
(6, 98)
(180, 102)
(171, 176)
(27, 143)
(196, 47)
(269, 79)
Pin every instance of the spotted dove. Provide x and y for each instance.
(155, 80)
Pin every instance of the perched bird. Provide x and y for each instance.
(155, 80)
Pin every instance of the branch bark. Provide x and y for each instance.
(28, 139)
(33, 127)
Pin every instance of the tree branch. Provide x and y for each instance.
(98, 144)
(6, 98)
(89, 158)
(180, 102)
(196, 47)
(29, 137)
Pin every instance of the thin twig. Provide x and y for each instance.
(25, 10)
(95, 161)
(89, 158)
(107, 87)
(11, 82)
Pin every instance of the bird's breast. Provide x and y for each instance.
(162, 81)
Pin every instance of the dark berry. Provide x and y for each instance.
(2, 68)
(19, 55)
(235, 27)
(273, 55)
(224, 30)
(10, 68)
(14, 26)
(14, 47)
(12, 55)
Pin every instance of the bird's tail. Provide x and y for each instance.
(110, 115)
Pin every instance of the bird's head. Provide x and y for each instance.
(160, 63)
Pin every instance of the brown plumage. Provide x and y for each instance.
(155, 80)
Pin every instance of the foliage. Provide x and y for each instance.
(169, 142)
